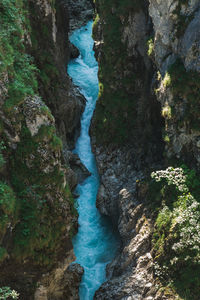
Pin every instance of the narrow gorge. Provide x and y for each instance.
(95, 244)
(100, 200)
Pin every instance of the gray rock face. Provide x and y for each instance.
(135, 33)
(176, 30)
(60, 94)
(80, 12)
(61, 284)
(130, 275)
(117, 173)
(190, 44)
(173, 37)
(177, 36)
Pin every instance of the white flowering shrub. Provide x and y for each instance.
(173, 176)
(176, 237)
(188, 220)
(7, 293)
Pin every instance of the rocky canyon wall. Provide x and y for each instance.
(147, 119)
(39, 123)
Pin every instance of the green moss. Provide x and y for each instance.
(8, 208)
(150, 46)
(186, 85)
(37, 235)
(46, 111)
(46, 132)
(118, 92)
(32, 200)
(167, 80)
(48, 73)
(14, 60)
(56, 143)
(166, 138)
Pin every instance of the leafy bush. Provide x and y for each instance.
(7, 293)
(176, 234)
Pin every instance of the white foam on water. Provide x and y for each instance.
(95, 244)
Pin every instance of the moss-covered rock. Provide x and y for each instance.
(37, 210)
(125, 103)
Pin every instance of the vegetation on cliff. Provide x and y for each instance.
(36, 205)
(172, 44)
(118, 78)
(175, 199)
(7, 293)
(185, 85)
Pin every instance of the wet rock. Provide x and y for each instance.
(69, 114)
(78, 167)
(74, 52)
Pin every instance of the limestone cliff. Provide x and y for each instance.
(148, 53)
(176, 55)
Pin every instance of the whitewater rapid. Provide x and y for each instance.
(95, 244)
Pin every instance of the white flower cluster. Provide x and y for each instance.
(189, 226)
(160, 271)
(173, 176)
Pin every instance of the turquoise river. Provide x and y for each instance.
(95, 244)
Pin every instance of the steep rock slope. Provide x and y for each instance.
(126, 110)
(38, 104)
(176, 54)
(160, 247)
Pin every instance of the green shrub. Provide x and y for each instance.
(7, 293)
(176, 233)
